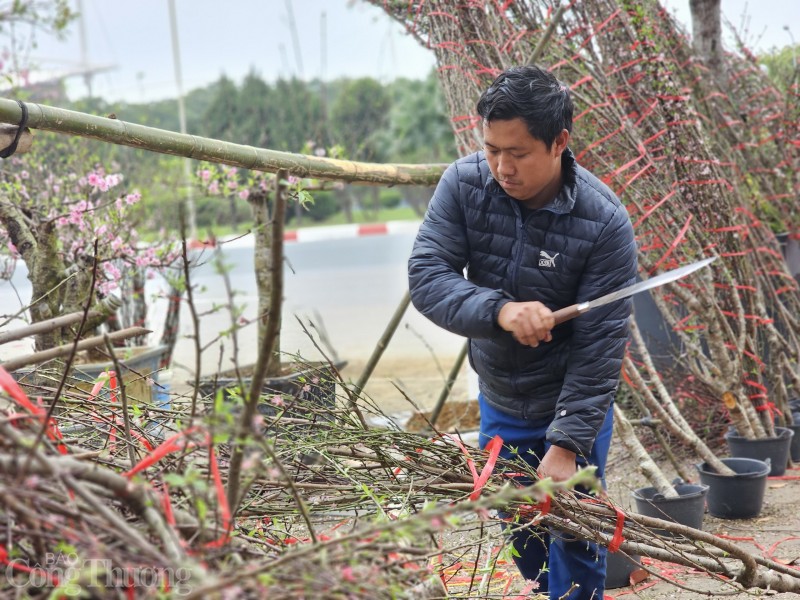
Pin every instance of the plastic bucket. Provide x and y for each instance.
(794, 447)
(687, 509)
(775, 449)
(739, 496)
(619, 567)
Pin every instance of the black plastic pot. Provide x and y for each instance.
(794, 447)
(619, 567)
(775, 449)
(739, 496)
(687, 509)
(305, 393)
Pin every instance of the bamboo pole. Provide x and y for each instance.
(119, 132)
(448, 386)
(92, 342)
(382, 343)
(46, 326)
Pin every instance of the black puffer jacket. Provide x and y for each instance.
(578, 247)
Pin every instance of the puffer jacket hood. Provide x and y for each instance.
(476, 250)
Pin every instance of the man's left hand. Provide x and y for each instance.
(558, 463)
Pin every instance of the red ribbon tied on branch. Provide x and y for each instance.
(479, 480)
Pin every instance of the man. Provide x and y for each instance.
(535, 232)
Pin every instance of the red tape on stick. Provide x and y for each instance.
(544, 506)
(673, 245)
(17, 565)
(222, 498)
(617, 539)
(169, 446)
(493, 448)
(12, 388)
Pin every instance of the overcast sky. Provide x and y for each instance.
(232, 37)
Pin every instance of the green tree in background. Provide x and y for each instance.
(419, 130)
(783, 66)
(295, 115)
(359, 112)
(222, 119)
(253, 109)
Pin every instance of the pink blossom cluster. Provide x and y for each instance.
(86, 209)
(222, 180)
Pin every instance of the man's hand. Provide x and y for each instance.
(558, 463)
(529, 322)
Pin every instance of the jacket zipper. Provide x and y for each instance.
(520, 226)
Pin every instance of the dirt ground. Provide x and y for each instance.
(775, 533)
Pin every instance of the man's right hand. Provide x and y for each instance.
(529, 322)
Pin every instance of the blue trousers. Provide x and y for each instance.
(554, 561)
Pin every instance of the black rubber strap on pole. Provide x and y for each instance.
(12, 147)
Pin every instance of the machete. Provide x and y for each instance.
(570, 312)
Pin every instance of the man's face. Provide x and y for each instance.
(521, 164)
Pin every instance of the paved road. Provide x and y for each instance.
(350, 287)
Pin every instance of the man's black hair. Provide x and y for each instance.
(533, 95)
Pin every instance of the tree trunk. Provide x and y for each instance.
(707, 33)
(264, 263)
(641, 457)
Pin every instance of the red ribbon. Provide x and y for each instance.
(493, 448)
(167, 447)
(11, 387)
(617, 539)
(222, 499)
(19, 566)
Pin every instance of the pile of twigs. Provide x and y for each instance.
(328, 507)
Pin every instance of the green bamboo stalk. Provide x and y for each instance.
(119, 132)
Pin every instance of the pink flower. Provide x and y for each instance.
(94, 179)
(205, 175)
(24, 174)
(244, 193)
(113, 179)
(132, 198)
(232, 184)
(213, 188)
(111, 271)
(277, 400)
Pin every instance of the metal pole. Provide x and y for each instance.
(187, 165)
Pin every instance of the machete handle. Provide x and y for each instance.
(565, 314)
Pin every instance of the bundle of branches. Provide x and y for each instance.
(330, 507)
(701, 163)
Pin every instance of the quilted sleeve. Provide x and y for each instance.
(440, 254)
